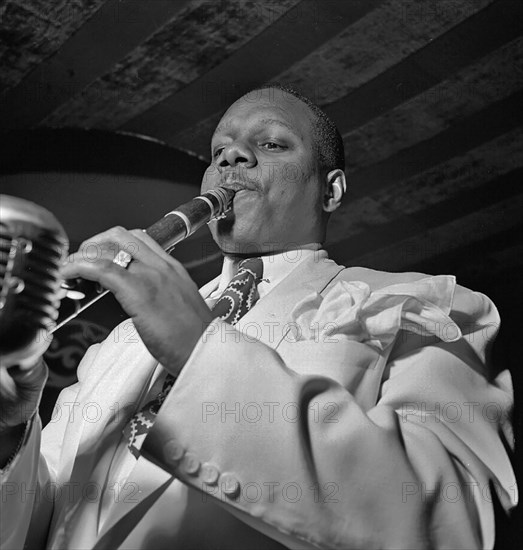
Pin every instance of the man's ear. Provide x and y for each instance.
(335, 188)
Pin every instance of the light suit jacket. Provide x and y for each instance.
(349, 408)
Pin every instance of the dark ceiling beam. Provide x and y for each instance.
(431, 198)
(380, 40)
(260, 60)
(498, 217)
(496, 119)
(187, 46)
(459, 205)
(489, 79)
(460, 174)
(483, 32)
(106, 37)
(31, 31)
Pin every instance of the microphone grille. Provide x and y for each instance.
(32, 247)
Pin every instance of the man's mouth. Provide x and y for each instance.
(237, 184)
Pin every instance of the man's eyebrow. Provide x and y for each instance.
(279, 122)
(269, 121)
(219, 128)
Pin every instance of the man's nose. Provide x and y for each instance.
(237, 154)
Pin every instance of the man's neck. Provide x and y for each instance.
(283, 249)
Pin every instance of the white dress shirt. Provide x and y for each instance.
(275, 268)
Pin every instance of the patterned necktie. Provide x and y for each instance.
(236, 300)
(241, 292)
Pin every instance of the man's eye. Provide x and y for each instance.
(217, 151)
(271, 145)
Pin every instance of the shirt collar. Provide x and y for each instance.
(275, 268)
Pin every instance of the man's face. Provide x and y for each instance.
(263, 147)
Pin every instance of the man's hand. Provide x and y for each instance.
(154, 290)
(20, 393)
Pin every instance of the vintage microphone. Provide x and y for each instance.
(33, 246)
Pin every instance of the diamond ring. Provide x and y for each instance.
(123, 259)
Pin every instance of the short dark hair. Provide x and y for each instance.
(327, 138)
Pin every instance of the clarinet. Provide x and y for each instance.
(174, 227)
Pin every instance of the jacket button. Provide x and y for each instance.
(190, 464)
(209, 474)
(172, 451)
(230, 485)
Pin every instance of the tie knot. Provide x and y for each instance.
(254, 265)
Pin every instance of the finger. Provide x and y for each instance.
(111, 234)
(109, 246)
(128, 283)
(148, 240)
(104, 271)
(150, 266)
(114, 239)
(135, 243)
(183, 276)
(90, 252)
(155, 247)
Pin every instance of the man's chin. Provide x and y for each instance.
(236, 236)
(232, 241)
